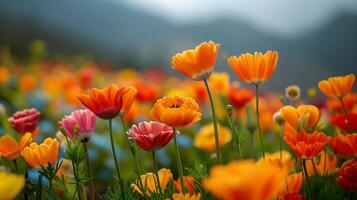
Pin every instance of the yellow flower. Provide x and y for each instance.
(246, 180)
(219, 82)
(180, 196)
(10, 185)
(205, 137)
(323, 164)
(274, 158)
(149, 179)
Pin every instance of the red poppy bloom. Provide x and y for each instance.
(25, 121)
(345, 145)
(239, 97)
(348, 175)
(151, 136)
(108, 102)
(146, 93)
(346, 124)
(306, 145)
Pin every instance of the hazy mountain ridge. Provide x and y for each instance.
(124, 36)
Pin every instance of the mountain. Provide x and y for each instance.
(128, 37)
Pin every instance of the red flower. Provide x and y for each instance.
(151, 136)
(348, 175)
(146, 92)
(239, 97)
(349, 124)
(345, 145)
(108, 102)
(25, 121)
(306, 145)
(189, 183)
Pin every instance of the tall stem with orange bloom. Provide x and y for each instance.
(258, 118)
(178, 159)
(115, 159)
(218, 148)
(307, 178)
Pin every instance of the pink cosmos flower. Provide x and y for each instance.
(151, 136)
(25, 121)
(79, 122)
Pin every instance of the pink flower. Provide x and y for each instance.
(79, 122)
(151, 136)
(25, 121)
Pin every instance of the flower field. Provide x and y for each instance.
(79, 129)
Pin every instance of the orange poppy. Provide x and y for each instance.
(197, 63)
(41, 155)
(246, 180)
(337, 86)
(146, 92)
(306, 145)
(254, 68)
(239, 97)
(10, 148)
(347, 175)
(189, 183)
(199, 91)
(108, 102)
(345, 145)
(176, 111)
(323, 164)
(293, 185)
(305, 116)
(27, 82)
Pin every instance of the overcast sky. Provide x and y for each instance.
(286, 17)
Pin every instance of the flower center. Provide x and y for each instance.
(175, 106)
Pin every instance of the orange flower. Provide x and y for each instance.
(27, 82)
(239, 97)
(304, 145)
(108, 102)
(41, 155)
(254, 68)
(176, 111)
(286, 160)
(146, 92)
(324, 164)
(293, 185)
(246, 180)
(199, 91)
(305, 116)
(345, 145)
(10, 149)
(4, 75)
(197, 63)
(180, 196)
(349, 101)
(348, 175)
(205, 137)
(337, 86)
(189, 183)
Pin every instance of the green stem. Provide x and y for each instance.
(16, 168)
(156, 166)
(39, 188)
(74, 169)
(236, 136)
(314, 166)
(132, 149)
(307, 178)
(258, 120)
(115, 159)
(218, 148)
(90, 173)
(179, 163)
